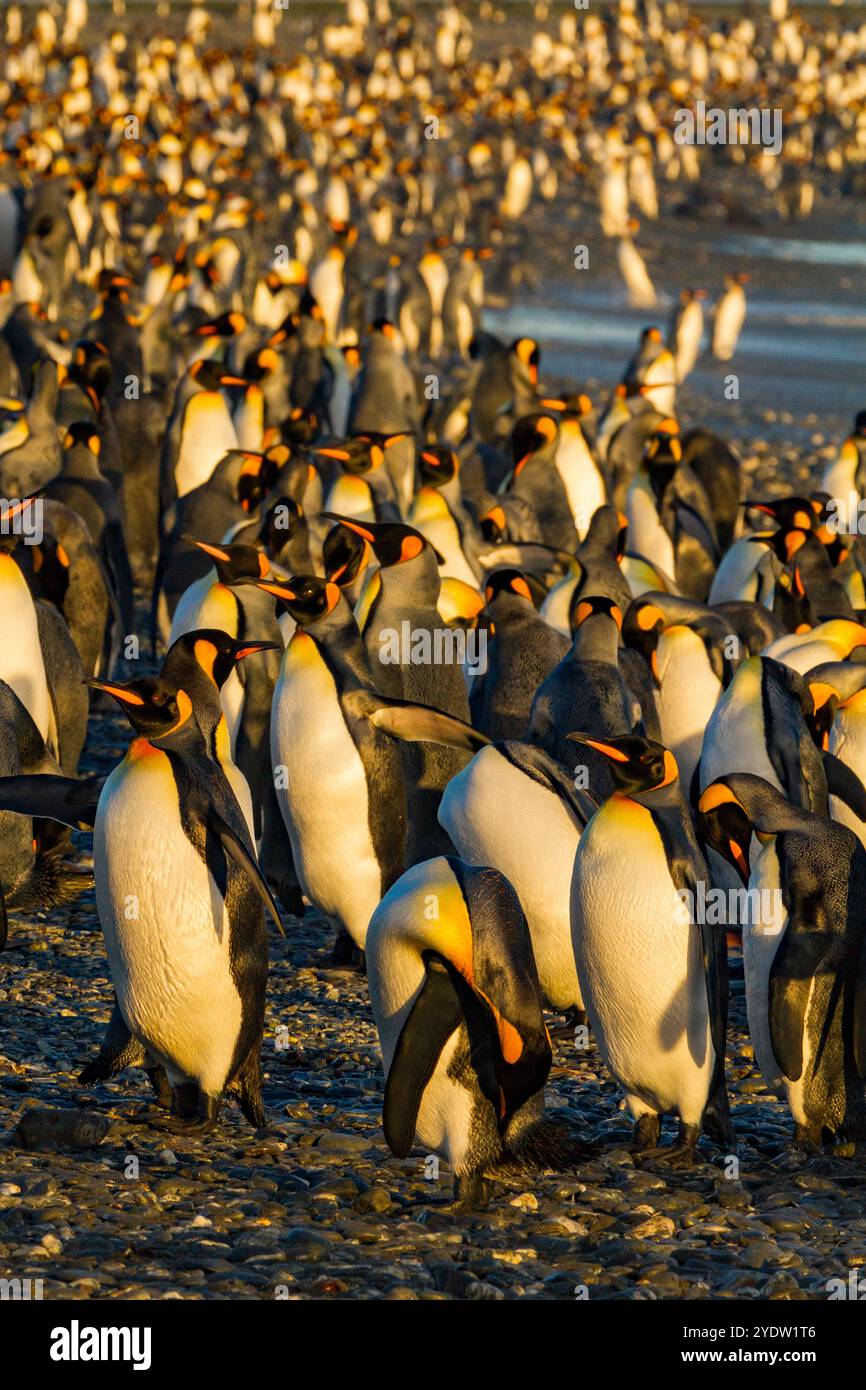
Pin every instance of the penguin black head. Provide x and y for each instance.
(355, 456)
(643, 624)
(860, 423)
(588, 606)
(663, 452)
(82, 432)
(345, 554)
(636, 764)
(785, 542)
(393, 542)
(301, 426)
(531, 434)
(90, 370)
(437, 465)
(211, 375)
(261, 363)
(789, 513)
(234, 562)
(228, 325)
(508, 581)
(306, 597)
(50, 565)
(724, 823)
(283, 520)
(528, 353)
(154, 706)
(209, 650)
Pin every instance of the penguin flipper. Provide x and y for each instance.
(117, 1050)
(431, 1021)
(69, 800)
(796, 965)
(844, 783)
(237, 851)
(415, 723)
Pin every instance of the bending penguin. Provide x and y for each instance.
(457, 1006)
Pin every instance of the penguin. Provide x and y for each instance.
(687, 331)
(838, 725)
(844, 478)
(523, 649)
(179, 895)
(200, 430)
(654, 980)
(586, 687)
(730, 314)
(830, 641)
(536, 480)
(534, 849)
(413, 656)
(802, 951)
(339, 778)
(685, 646)
(641, 291)
(457, 1006)
(670, 517)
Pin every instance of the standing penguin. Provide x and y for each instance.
(687, 331)
(523, 650)
(456, 1001)
(413, 656)
(178, 891)
(802, 951)
(729, 317)
(654, 981)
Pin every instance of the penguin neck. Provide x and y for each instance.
(597, 639)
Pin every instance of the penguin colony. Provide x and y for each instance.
(505, 685)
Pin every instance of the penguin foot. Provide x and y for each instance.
(174, 1124)
(678, 1155)
(193, 1112)
(645, 1135)
(472, 1192)
(346, 955)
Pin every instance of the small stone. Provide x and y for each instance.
(167, 1158)
(658, 1227)
(527, 1201)
(52, 1244)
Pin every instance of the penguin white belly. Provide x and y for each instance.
(497, 815)
(554, 609)
(445, 1114)
(325, 802)
(189, 606)
(21, 664)
(847, 741)
(166, 929)
(838, 481)
(802, 655)
(351, 496)
(689, 693)
(734, 742)
(584, 485)
(442, 533)
(207, 434)
(690, 332)
(735, 577)
(640, 966)
(729, 321)
(647, 536)
(761, 941)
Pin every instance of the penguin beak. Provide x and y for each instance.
(127, 697)
(214, 551)
(251, 648)
(606, 749)
(278, 590)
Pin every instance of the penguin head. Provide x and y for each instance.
(860, 424)
(211, 375)
(228, 325)
(81, 433)
(153, 705)
(300, 426)
(724, 823)
(209, 650)
(306, 597)
(90, 370)
(641, 630)
(393, 542)
(528, 354)
(283, 520)
(583, 607)
(234, 563)
(533, 434)
(663, 454)
(494, 526)
(511, 582)
(636, 764)
(355, 456)
(345, 554)
(261, 363)
(798, 513)
(437, 465)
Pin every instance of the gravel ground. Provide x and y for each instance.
(316, 1206)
